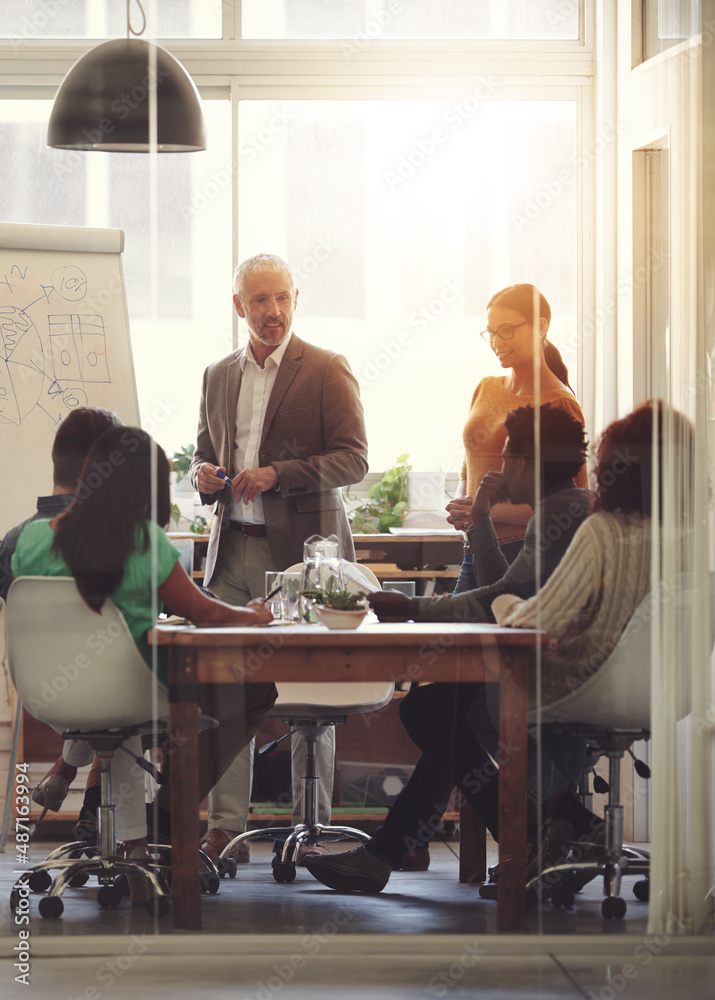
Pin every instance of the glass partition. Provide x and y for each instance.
(402, 219)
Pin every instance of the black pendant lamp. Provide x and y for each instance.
(107, 98)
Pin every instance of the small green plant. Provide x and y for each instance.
(181, 462)
(198, 526)
(341, 600)
(389, 502)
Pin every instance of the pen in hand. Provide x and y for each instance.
(222, 475)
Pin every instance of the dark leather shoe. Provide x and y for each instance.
(416, 860)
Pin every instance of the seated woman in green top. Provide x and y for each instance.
(111, 541)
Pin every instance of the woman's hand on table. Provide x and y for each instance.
(390, 605)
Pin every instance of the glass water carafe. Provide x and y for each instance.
(322, 569)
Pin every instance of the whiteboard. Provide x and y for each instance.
(64, 342)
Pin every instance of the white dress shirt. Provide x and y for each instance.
(256, 387)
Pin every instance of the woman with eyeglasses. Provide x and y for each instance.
(518, 319)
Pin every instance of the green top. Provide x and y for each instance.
(34, 556)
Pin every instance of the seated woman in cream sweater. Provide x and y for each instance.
(596, 588)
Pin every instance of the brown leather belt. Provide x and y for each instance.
(252, 530)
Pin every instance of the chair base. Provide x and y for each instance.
(77, 871)
(560, 883)
(103, 859)
(293, 837)
(309, 831)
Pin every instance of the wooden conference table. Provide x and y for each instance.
(401, 652)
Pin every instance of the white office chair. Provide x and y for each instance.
(82, 674)
(612, 710)
(309, 709)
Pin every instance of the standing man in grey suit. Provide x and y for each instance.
(283, 420)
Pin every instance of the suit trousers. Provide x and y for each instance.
(128, 784)
(241, 566)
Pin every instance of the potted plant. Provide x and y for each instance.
(181, 462)
(197, 525)
(339, 608)
(388, 504)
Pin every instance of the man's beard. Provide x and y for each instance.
(271, 336)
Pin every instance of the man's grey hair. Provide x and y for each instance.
(260, 262)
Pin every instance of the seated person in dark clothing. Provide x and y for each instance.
(436, 715)
(73, 440)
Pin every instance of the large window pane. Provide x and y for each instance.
(667, 23)
(402, 219)
(108, 19)
(178, 288)
(363, 21)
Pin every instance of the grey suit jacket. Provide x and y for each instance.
(313, 435)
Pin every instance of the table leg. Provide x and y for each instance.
(513, 697)
(184, 789)
(472, 845)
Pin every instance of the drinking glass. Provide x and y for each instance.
(290, 597)
(321, 567)
(274, 580)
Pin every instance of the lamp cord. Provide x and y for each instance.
(130, 30)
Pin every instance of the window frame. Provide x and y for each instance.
(234, 69)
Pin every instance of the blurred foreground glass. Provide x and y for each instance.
(290, 597)
(274, 583)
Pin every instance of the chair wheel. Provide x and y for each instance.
(641, 890)
(39, 881)
(209, 881)
(227, 866)
(613, 908)
(109, 897)
(81, 878)
(121, 882)
(51, 907)
(283, 871)
(157, 906)
(562, 897)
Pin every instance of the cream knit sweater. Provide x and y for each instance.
(588, 600)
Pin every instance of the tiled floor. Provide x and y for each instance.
(425, 936)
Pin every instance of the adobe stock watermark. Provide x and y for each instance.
(35, 23)
(111, 971)
(448, 977)
(643, 955)
(565, 10)
(420, 320)
(324, 248)
(311, 945)
(424, 148)
(552, 189)
(66, 674)
(627, 285)
(373, 29)
(249, 149)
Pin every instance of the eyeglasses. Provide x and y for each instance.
(505, 331)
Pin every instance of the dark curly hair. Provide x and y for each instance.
(562, 441)
(624, 460)
(75, 436)
(106, 521)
